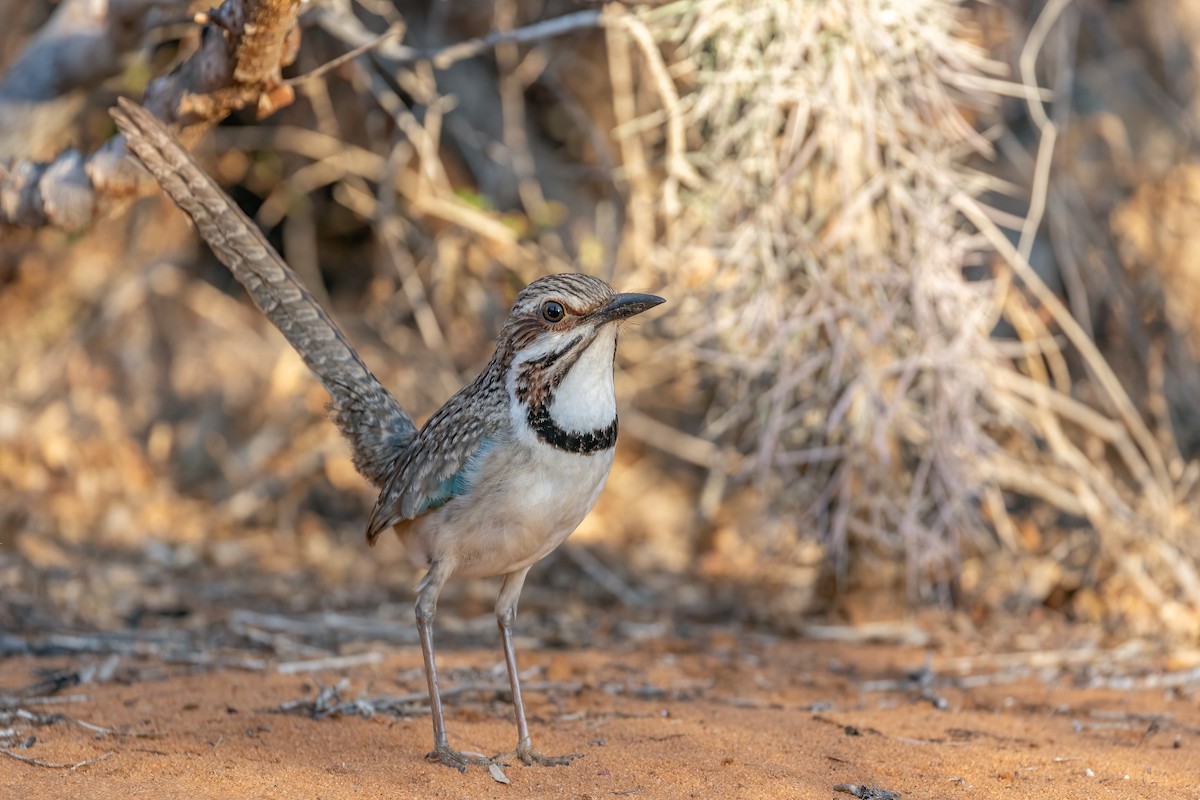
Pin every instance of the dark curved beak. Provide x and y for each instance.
(623, 306)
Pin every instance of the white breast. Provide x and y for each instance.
(527, 499)
(527, 496)
(585, 400)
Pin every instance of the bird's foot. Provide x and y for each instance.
(529, 756)
(443, 754)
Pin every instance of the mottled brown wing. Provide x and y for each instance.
(438, 465)
(367, 414)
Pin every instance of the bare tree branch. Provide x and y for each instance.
(81, 45)
(242, 48)
(351, 31)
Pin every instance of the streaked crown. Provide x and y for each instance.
(551, 309)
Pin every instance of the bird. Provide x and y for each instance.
(500, 475)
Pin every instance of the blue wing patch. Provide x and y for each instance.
(457, 484)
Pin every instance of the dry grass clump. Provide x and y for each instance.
(839, 349)
(845, 362)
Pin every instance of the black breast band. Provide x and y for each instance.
(584, 444)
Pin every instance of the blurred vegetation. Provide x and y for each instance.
(931, 333)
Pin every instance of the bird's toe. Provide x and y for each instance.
(443, 754)
(530, 756)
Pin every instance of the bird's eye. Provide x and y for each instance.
(553, 311)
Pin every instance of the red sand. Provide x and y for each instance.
(733, 720)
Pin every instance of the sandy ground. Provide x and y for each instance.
(732, 716)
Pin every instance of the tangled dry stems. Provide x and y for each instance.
(841, 349)
(846, 355)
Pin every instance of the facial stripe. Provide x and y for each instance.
(579, 294)
(538, 378)
(547, 361)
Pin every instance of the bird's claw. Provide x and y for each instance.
(528, 756)
(443, 754)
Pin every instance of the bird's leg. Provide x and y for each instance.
(427, 597)
(506, 613)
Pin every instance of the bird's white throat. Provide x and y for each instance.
(585, 400)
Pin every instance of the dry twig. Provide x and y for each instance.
(37, 762)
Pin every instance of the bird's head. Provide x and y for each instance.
(566, 311)
(561, 321)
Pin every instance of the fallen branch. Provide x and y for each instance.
(330, 703)
(331, 663)
(37, 762)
